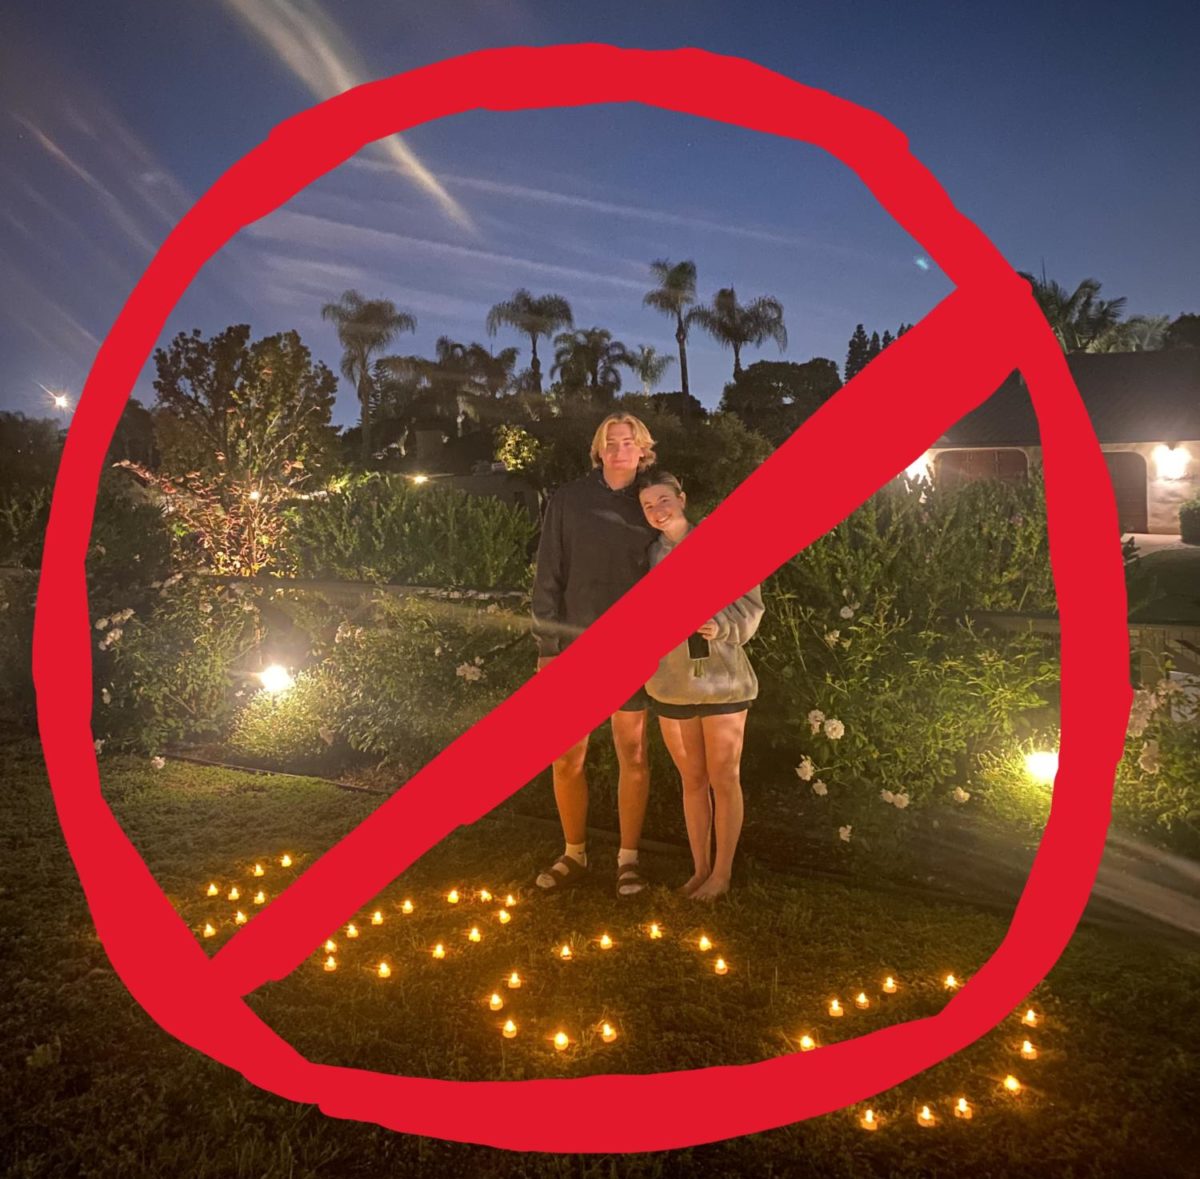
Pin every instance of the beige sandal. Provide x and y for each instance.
(574, 873)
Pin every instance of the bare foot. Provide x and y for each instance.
(713, 887)
(689, 889)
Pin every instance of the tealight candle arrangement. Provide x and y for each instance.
(514, 981)
(509, 1029)
(1012, 1084)
(331, 963)
(495, 1002)
(1028, 1051)
(861, 1001)
(330, 946)
(385, 971)
(655, 932)
(704, 944)
(565, 953)
(260, 897)
(606, 942)
(239, 918)
(439, 951)
(484, 895)
(889, 985)
(377, 917)
(836, 1009)
(474, 935)
(510, 901)
(285, 861)
(233, 893)
(407, 907)
(352, 930)
(925, 1117)
(505, 916)
(259, 870)
(1031, 1018)
(452, 897)
(962, 1109)
(869, 1121)
(608, 1033)
(561, 1041)
(807, 1043)
(950, 983)
(208, 930)
(719, 967)
(212, 890)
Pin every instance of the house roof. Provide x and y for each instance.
(1130, 397)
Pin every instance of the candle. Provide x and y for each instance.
(407, 907)
(835, 1009)
(330, 946)
(239, 918)
(951, 982)
(484, 895)
(565, 952)
(514, 981)
(869, 1121)
(233, 893)
(655, 932)
(495, 1002)
(331, 963)
(474, 935)
(861, 1001)
(452, 896)
(605, 942)
(260, 897)
(510, 1029)
(352, 930)
(439, 951)
(212, 890)
(704, 943)
(377, 917)
(285, 861)
(1012, 1084)
(505, 916)
(608, 1033)
(385, 971)
(889, 985)
(510, 900)
(1030, 1018)
(719, 966)
(1028, 1051)
(560, 1041)
(925, 1117)
(807, 1043)
(258, 870)
(962, 1109)
(208, 930)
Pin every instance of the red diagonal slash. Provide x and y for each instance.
(892, 411)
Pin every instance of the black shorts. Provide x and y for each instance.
(638, 702)
(691, 711)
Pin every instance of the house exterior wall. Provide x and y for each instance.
(1165, 491)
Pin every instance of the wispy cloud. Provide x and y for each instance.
(316, 50)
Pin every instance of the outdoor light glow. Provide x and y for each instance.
(208, 930)
(377, 917)
(605, 942)
(889, 985)
(1030, 1018)
(212, 890)
(1042, 765)
(258, 870)
(608, 1033)
(920, 468)
(861, 1001)
(1012, 1084)
(505, 916)
(1028, 1051)
(407, 907)
(1171, 461)
(719, 966)
(439, 951)
(474, 935)
(233, 893)
(260, 897)
(560, 1041)
(331, 963)
(61, 401)
(385, 971)
(925, 1117)
(452, 896)
(868, 1121)
(419, 479)
(704, 943)
(962, 1109)
(275, 678)
(510, 1030)
(285, 861)
(495, 1002)
(514, 981)
(836, 1009)
(807, 1043)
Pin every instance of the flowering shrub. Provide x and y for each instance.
(297, 727)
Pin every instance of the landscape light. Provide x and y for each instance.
(1042, 765)
(275, 678)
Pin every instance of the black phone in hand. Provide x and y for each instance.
(697, 646)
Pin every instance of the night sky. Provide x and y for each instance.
(1068, 132)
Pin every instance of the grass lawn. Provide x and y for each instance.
(93, 1087)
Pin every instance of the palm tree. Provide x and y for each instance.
(675, 292)
(364, 327)
(648, 366)
(533, 317)
(1138, 333)
(734, 326)
(590, 358)
(1080, 319)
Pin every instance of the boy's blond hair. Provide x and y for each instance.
(641, 436)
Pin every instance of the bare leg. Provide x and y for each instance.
(684, 740)
(571, 798)
(633, 781)
(723, 738)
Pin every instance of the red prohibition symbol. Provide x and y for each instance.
(944, 367)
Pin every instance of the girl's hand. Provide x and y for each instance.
(709, 629)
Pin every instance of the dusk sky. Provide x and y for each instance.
(1067, 132)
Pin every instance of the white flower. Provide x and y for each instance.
(101, 623)
(437, 650)
(844, 833)
(105, 695)
(847, 612)
(99, 744)
(469, 672)
(959, 794)
(832, 636)
(814, 720)
(887, 796)
(805, 770)
(1148, 758)
(900, 801)
(158, 762)
(834, 729)
(125, 615)
(478, 660)
(492, 608)
(819, 788)
(114, 635)
(206, 607)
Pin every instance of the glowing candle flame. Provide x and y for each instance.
(565, 953)
(510, 900)
(208, 930)
(239, 918)
(385, 971)
(377, 917)
(474, 935)
(889, 985)
(704, 943)
(510, 1030)
(560, 1041)
(330, 946)
(213, 890)
(331, 963)
(868, 1121)
(505, 916)
(807, 1043)
(352, 930)
(1030, 1018)
(655, 932)
(1028, 1051)
(608, 1033)
(439, 951)
(861, 1001)
(719, 966)
(285, 861)
(1012, 1084)
(234, 894)
(925, 1117)
(452, 896)
(407, 907)
(962, 1109)
(835, 1009)
(258, 870)
(605, 942)
(951, 982)
(514, 981)
(495, 1002)
(260, 897)
(484, 895)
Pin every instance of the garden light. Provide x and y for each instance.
(1012, 1084)
(510, 1029)
(420, 479)
(719, 967)
(962, 1109)
(208, 930)
(385, 971)
(704, 944)
(836, 1009)
(608, 1033)
(377, 917)
(495, 1002)
(861, 1001)
(474, 935)
(807, 1043)
(352, 930)
(869, 1121)
(285, 861)
(889, 985)
(439, 951)
(212, 890)
(560, 1041)
(1042, 766)
(925, 1117)
(605, 942)
(275, 678)
(331, 963)
(514, 981)
(1030, 1019)
(505, 916)
(1028, 1051)
(407, 907)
